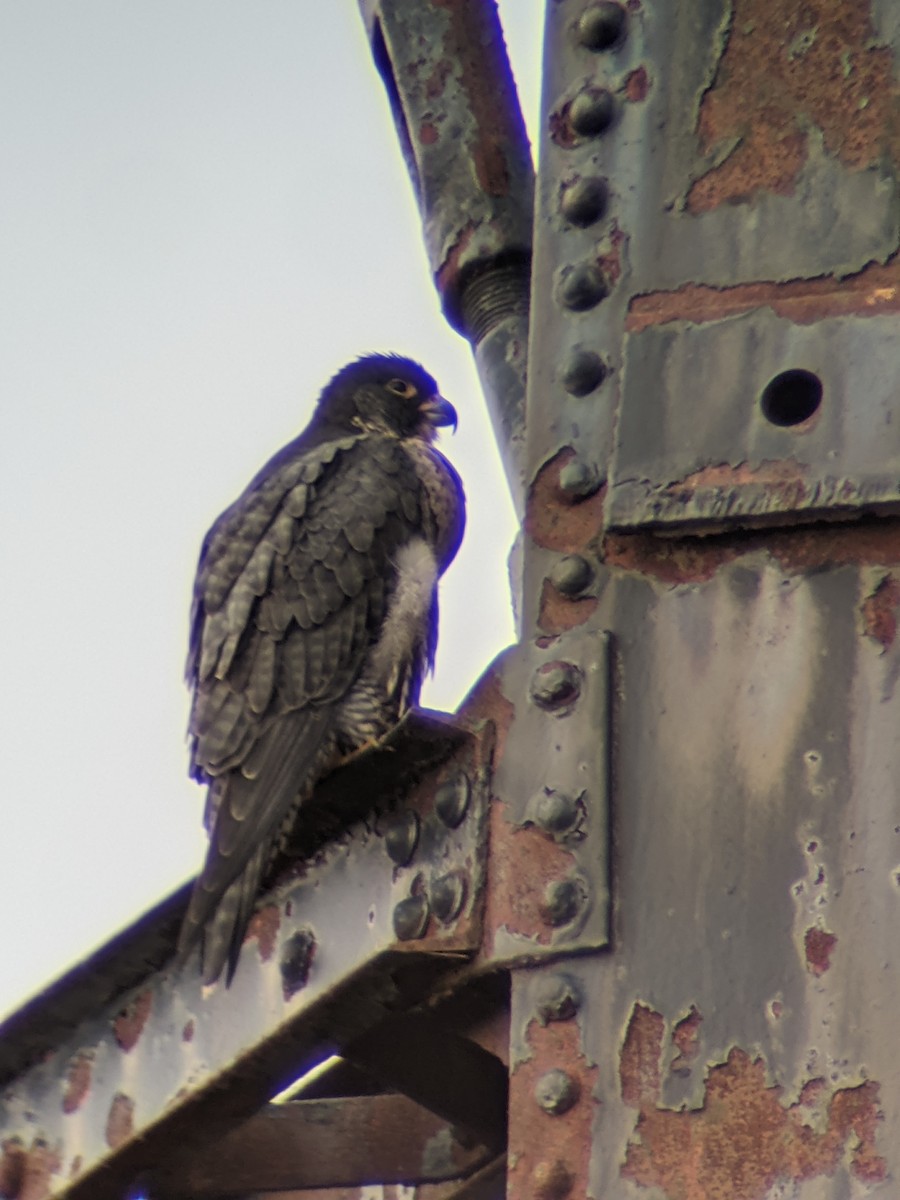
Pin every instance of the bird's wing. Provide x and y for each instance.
(293, 585)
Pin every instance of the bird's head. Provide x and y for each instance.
(385, 394)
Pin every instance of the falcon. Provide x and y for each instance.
(314, 622)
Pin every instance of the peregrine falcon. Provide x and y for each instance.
(314, 621)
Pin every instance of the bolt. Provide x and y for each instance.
(571, 574)
(556, 1092)
(582, 287)
(452, 799)
(563, 900)
(296, 961)
(401, 837)
(448, 895)
(552, 1180)
(555, 812)
(601, 25)
(591, 112)
(584, 201)
(582, 372)
(555, 684)
(558, 998)
(579, 479)
(411, 918)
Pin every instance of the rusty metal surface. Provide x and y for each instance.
(323, 1143)
(326, 958)
(454, 103)
(694, 443)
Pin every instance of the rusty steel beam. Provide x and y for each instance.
(91, 1107)
(308, 1144)
(454, 102)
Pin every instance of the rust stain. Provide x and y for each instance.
(637, 85)
(879, 612)
(818, 945)
(786, 67)
(553, 519)
(639, 1060)
(37, 1167)
(610, 261)
(264, 925)
(76, 1167)
(12, 1165)
(447, 275)
(519, 856)
(428, 133)
(549, 1155)
(120, 1122)
(871, 292)
(187, 1034)
(686, 1039)
(743, 1140)
(696, 559)
(129, 1024)
(78, 1081)
(559, 613)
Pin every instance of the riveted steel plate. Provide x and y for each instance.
(695, 445)
(322, 963)
(549, 883)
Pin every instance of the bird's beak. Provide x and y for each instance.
(438, 411)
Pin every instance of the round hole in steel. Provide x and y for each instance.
(791, 397)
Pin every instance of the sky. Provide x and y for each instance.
(203, 214)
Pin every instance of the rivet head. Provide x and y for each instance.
(557, 998)
(582, 372)
(557, 813)
(296, 961)
(601, 25)
(555, 685)
(448, 894)
(591, 112)
(411, 918)
(563, 901)
(552, 1180)
(571, 574)
(401, 837)
(584, 201)
(556, 1092)
(451, 800)
(582, 287)
(579, 479)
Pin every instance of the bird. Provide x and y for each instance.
(313, 623)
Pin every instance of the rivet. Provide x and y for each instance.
(555, 812)
(582, 287)
(401, 837)
(584, 201)
(557, 998)
(571, 574)
(591, 112)
(601, 25)
(448, 895)
(555, 684)
(296, 961)
(582, 371)
(451, 800)
(562, 902)
(579, 479)
(411, 918)
(556, 1092)
(552, 1180)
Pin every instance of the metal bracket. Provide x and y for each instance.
(807, 425)
(549, 883)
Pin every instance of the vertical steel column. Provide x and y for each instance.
(454, 102)
(714, 469)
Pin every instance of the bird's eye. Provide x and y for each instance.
(401, 388)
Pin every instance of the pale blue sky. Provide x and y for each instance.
(203, 213)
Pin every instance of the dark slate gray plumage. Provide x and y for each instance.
(314, 622)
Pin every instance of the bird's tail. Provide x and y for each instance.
(258, 800)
